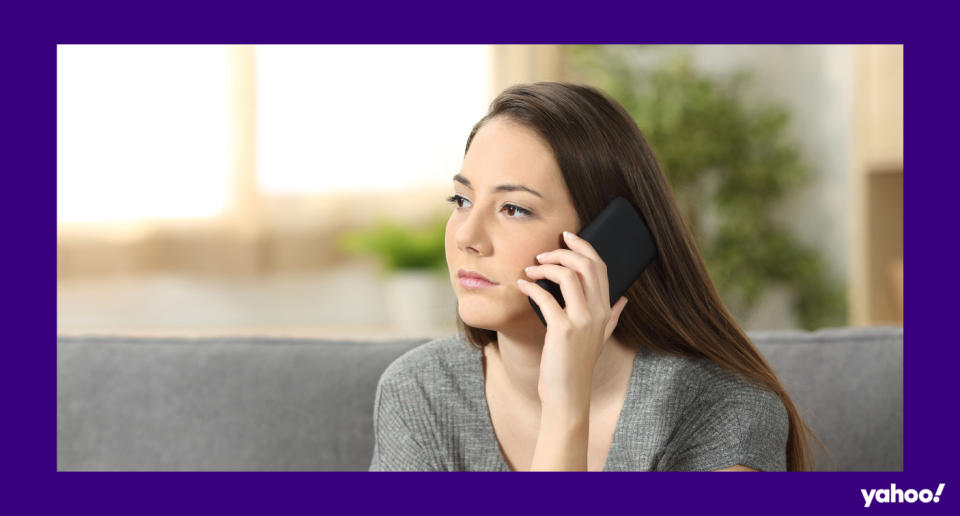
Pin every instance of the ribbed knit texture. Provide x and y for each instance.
(679, 414)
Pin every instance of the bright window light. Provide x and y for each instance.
(142, 132)
(366, 117)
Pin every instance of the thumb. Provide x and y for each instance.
(615, 313)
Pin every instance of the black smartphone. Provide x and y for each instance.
(622, 239)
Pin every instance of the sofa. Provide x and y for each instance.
(280, 404)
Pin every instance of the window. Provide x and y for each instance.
(143, 132)
(366, 117)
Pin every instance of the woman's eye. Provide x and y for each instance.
(455, 199)
(512, 209)
(516, 209)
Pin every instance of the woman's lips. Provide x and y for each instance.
(473, 280)
(474, 283)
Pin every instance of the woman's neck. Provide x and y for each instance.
(516, 358)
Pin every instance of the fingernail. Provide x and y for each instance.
(539, 257)
(521, 281)
(528, 269)
(570, 235)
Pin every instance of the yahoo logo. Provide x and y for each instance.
(894, 495)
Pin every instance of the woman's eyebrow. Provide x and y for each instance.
(501, 188)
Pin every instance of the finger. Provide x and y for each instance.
(570, 287)
(549, 307)
(615, 313)
(581, 246)
(596, 285)
(585, 248)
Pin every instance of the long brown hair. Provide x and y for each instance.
(673, 307)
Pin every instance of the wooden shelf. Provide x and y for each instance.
(876, 293)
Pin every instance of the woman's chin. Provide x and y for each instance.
(480, 314)
(488, 315)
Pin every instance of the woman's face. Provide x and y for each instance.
(498, 231)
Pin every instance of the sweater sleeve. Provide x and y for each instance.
(396, 446)
(745, 425)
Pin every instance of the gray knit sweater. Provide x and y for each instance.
(430, 414)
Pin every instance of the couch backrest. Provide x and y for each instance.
(302, 404)
(848, 386)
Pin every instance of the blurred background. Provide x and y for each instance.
(299, 190)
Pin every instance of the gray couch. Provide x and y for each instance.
(298, 404)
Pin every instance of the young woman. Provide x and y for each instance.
(662, 380)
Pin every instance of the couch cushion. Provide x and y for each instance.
(304, 404)
(217, 404)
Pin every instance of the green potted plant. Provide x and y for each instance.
(413, 267)
(730, 164)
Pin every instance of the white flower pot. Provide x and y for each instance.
(418, 300)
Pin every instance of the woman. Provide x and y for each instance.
(664, 379)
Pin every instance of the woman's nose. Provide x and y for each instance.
(471, 237)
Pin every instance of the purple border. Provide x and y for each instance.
(930, 449)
